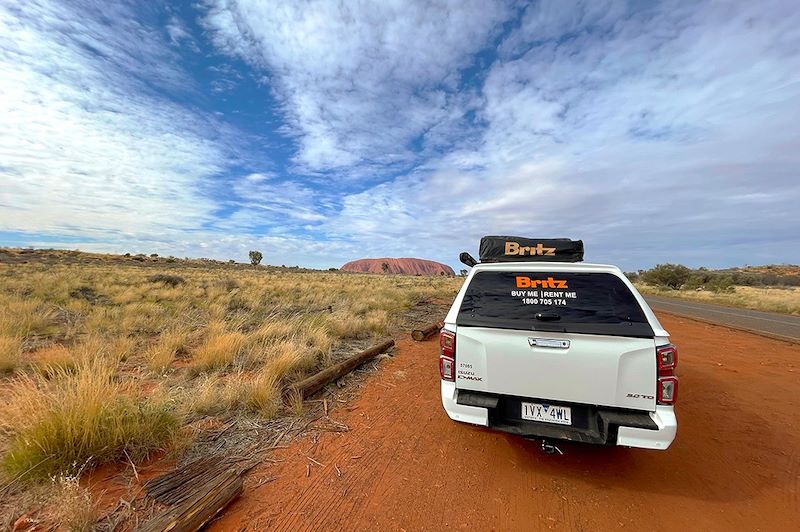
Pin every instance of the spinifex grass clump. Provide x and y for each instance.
(53, 360)
(217, 352)
(170, 343)
(79, 419)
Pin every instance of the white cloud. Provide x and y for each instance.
(85, 148)
(178, 33)
(258, 177)
(358, 82)
(646, 134)
(263, 199)
(664, 133)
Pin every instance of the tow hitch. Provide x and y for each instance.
(550, 448)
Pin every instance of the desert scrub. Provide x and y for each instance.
(168, 280)
(78, 420)
(225, 342)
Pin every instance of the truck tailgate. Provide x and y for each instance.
(611, 371)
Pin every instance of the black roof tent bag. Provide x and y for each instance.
(520, 249)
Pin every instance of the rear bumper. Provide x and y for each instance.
(646, 430)
(660, 439)
(463, 413)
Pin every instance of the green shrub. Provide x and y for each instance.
(667, 275)
(720, 284)
(697, 279)
(171, 280)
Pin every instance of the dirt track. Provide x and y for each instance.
(405, 465)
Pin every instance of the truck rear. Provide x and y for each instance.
(558, 351)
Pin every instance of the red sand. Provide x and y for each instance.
(405, 466)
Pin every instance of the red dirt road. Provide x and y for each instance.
(405, 466)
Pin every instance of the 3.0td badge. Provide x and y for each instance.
(548, 342)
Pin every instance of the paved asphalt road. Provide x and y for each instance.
(768, 323)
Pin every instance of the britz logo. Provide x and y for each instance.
(527, 282)
(513, 248)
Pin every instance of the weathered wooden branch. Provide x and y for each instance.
(175, 486)
(420, 335)
(196, 493)
(316, 382)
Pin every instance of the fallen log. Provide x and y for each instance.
(176, 486)
(420, 335)
(316, 382)
(200, 504)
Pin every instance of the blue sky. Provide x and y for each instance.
(320, 132)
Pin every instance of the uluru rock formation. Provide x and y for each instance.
(406, 266)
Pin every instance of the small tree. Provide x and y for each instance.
(385, 267)
(255, 258)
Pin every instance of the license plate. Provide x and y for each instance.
(561, 415)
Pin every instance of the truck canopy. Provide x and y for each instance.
(568, 302)
(566, 297)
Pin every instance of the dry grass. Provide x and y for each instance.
(785, 300)
(80, 419)
(10, 353)
(217, 352)
(170, 344)
(96, 361)
(72, 504)
(262, 394)
(23, 317)
(53, 360)
(239, 393)
(258, 392)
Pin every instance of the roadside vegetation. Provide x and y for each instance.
(105, 362)
(773, 288)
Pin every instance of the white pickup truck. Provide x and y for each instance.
(558, 350)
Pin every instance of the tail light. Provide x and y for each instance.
(667, 360)
(667, 390)
(447, 355)
(667, 385)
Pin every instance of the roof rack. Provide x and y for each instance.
(521, 249)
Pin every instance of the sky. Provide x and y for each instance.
(320, 132)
